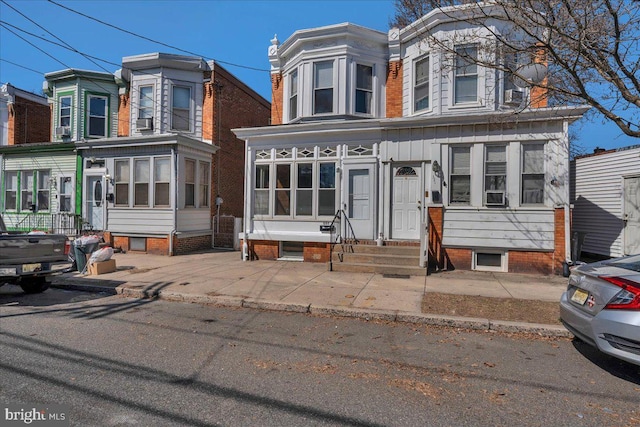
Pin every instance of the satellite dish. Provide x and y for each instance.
(529, 74)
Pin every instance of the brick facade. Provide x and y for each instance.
(270, 250)
(28, 122)
(277, 96)
(160, 245)
(224, 231)
(124, 114)
(394, 89)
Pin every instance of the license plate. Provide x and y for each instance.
(7, 271)
(579, 296)
(28, 268)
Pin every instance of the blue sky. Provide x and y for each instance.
(232, 32)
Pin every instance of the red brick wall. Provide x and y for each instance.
(224, 231)
(230, 104)
(29, 121)
(531, 262)
(191, 244)
(394, 89)
(277, 94)
(458, 258)
(559, 255)
(120, 242)
(316, 252)
(124, 114)
(264, 249)
(539, 95)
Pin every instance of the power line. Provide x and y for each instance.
(152, 40)
(21, 66)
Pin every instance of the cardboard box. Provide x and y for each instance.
(102, 267)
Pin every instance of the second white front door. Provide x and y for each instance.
(406, 208)
(94, 198)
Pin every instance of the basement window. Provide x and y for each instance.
(291, 251)
(489, 261)
(138, 244)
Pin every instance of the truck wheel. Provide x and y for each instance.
(34, 285)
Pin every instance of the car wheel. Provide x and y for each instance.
(35, 285)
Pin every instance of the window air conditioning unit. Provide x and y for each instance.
(63, 131)
(513, 97)
(144, 124)
(495, 198)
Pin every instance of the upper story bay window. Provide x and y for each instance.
(181, 108)
(421, 85)
(323, 87)
(145, 102)
(466, 75)
(293, 95)
(97, 116)
(64, 111)
(364, 88)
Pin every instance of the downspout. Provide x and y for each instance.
(567, 195)
(174, 156)
(247, 206)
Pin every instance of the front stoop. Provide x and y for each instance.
(391, 260)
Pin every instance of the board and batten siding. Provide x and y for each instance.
(499, 229)
(598, 196)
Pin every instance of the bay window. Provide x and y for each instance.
(327, 189)
(97, 116)
(145, 102)
(161, 181)
(364, 88)
(466, 74)
(323, 87)
(190, 183)
(64, 115)
(262, 190)
(421, 85)
(181, 108)
(304, 189)
(283, 190)
(293, 95)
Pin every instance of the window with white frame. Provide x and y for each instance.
(532, 174)
(466, 74)
(26, 190)
(65, 194)
(327, 189)
(121, 182)
(98, 106)
(323, 87)
(262, 190)
(495, 174)
(161, 181)
(421, 85)
(145, 102)
(283, 190)
(304, 189)
(10, 190)
(364, 88)
(181, 108)
(190, 183)
(64, 110)
(141, 182)
(460, 176)
(44, 184)
(204, 185)
(293, 95)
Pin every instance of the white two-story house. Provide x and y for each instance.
(411, 145)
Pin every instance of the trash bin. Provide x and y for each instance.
(577, 240)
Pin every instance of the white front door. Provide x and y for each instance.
(406, 209)
(94, 201)
(360, 199)
(631, 216)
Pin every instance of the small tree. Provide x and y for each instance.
(592, 48)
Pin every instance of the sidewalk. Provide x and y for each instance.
(222, 278)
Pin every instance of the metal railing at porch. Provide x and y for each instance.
(57, 223)
(344, 235)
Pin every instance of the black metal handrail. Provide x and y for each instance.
(58, 223)
(345, 235)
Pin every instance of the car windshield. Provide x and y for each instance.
(630, 263)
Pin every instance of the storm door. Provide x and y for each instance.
(406, 203)
(631, 216)
(360, 199)
(94, 202)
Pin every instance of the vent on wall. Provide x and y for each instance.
(144, 124)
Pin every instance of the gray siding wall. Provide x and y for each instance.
(598, 199)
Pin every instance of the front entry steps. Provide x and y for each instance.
(388, 260)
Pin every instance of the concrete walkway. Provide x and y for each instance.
(222, 278)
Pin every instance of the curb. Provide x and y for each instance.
(478, 324)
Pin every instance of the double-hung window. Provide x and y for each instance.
(364, 88)
(121, 182)
(11, 190)
(327, 189)
(293, 95)
(97, 117)
(43, 184)
(304, 189)
(26, 190)
(65, 194)
(532, 174)
(141, 182)
(421, 86)
(181, 108)
(323, 87)
(283, 190)
(495, 174)
(64, 105)
(460, 179)
(466, 74)
(161, 181)
(145, 103)
(262, 190)
(190, 183)
(203, 201)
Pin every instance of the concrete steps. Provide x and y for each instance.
(390, 260)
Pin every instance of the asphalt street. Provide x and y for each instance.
(119, 361)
